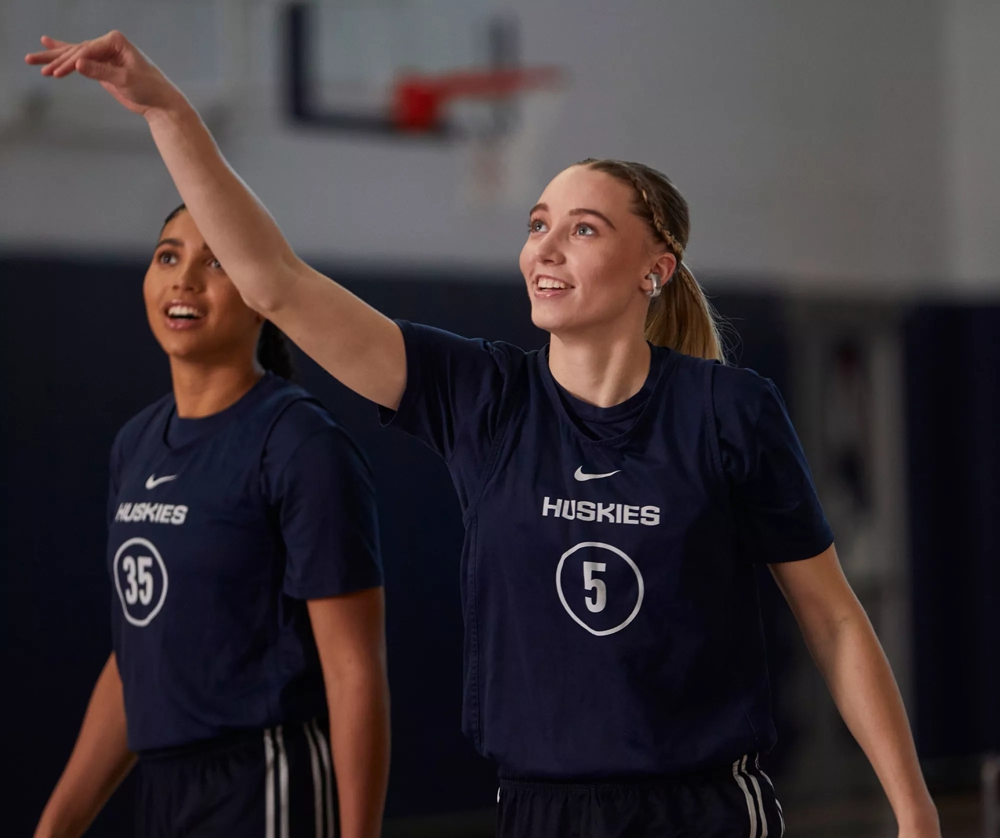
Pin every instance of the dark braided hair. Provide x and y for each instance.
(274, 352)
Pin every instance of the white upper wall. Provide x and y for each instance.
(818, 144)
(972, 214)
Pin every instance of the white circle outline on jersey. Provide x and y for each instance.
(118, 585)
(562, 596)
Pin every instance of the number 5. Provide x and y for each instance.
(596, 585)
(145, 580)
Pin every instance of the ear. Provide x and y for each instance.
(665, 265)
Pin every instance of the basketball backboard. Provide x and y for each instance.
(425, 70)
(345, 59)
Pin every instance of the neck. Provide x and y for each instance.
(201, 389)
(602, 371)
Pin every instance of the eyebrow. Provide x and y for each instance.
(177, 243)
(601, 215)
(578, 211)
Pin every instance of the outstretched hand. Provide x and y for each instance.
(120, 67)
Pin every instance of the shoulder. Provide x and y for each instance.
(304, 423)
(301, 415)
(287, 411)
(740, 394)
(751, 420)
(423, 339)
(750, 417)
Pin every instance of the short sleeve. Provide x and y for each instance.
(454, 387)
(322, 490)
(779, 516)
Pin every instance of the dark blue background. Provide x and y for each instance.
(953, 434)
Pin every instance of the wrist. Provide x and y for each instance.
(49, 827)
(176, 110)
(63, 817)
(919, 818)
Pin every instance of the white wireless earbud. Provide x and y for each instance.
(657, 285)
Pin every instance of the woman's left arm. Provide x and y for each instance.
(350, 636)
(849, 656)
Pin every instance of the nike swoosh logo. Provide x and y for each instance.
(153, 481)
(579, 475)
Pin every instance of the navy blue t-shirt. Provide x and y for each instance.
(220, 529)
(609, 594)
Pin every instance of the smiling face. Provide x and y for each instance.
(588, 255)
(194, 310)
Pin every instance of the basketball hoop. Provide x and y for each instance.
(501, 143)
(419, 102)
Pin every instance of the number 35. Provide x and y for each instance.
(140, 580)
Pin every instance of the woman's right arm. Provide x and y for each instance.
(356, 344)
(99, 762)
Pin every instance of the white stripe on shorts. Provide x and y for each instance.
(282, 782)
(317, 779)
(760, 798)
(777, 803)
(268, 785)
(746, 793)
(324, 753)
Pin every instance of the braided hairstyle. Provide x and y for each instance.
(273, 351)
(681, 317)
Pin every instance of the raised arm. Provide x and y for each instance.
(352, 341)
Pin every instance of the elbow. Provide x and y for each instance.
(266, 304)
(366, 676)
(273, 286)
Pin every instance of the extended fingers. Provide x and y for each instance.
(53, 50)
(46, 56)
(65, 63)
(61, 58)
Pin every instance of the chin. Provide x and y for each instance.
(546, 321)
(185, 350)
(559, 322)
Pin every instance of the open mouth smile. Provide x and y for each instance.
(549, 287)
(181, 315)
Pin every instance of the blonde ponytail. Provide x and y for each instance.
(681, 317)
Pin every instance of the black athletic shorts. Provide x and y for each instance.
(735, 802)
(274, 783)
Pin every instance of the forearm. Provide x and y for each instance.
(359, 739)
(243, 236)
(99, 762)
(861, 682)
(355, 343)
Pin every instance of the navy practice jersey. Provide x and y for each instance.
(609, 592)
(220, 529)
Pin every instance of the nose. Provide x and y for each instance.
(188, 278)
(549, 250)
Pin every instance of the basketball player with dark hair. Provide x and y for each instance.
(248, 610)
(618, 489)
